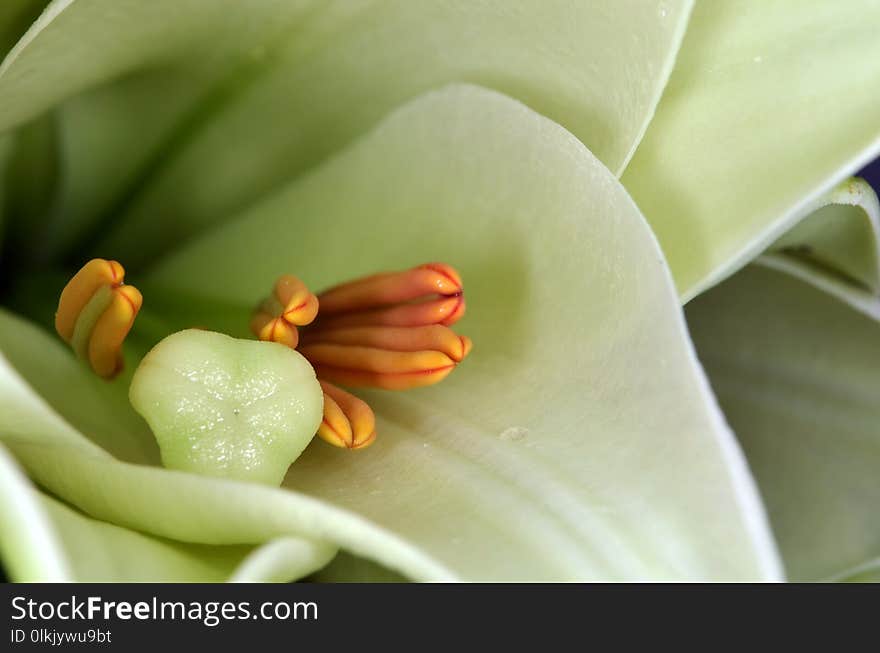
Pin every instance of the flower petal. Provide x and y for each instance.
(796, 371)
(90, 404)
(778, 97)
(250, 94)
(29, 546)
(838, 244)
(41, 539)
(582, 391)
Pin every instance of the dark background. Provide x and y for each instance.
(871, 173)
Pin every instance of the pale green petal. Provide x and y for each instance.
(548, 454)
(796, 372)
(180, 506)
(282, 560)
(93, 406)
(260, 91)
(837, 247)
(101, 552)
(771, 104)
(41, 539)
(29, 547)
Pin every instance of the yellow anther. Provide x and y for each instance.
(348, 421)
(290, 305)
(388, 330)
(95, 313)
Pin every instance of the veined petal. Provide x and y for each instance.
(582, 391)
(796, 371)
(287, 84)
(770, 106)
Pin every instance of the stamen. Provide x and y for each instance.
(433, 337)
(446, 311)
(348, 421)
(388, 330)
(391, 288)
(291, 305)
(378, 368)
(96, 311)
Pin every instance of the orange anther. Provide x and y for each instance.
(348, 421)
(391, 288)
(388, 330)
(300, 305)
(110, 330)
(379, 368)
(433, 337)
(291, 305)
(95, 313)
(446, 310)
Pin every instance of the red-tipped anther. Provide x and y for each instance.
(446, 311)
(388, 330)
(291, 305)
(96, 311)
(434, 337)
(378, 368)
(348, 421)
(391, 288)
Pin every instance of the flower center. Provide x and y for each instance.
(388, 330)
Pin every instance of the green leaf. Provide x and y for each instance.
(770, 106)
(247, 95)
(565, 416)
(796, 372)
